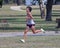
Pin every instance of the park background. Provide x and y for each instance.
(11, 20)
(14, 21)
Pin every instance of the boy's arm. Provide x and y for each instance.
(30, 15)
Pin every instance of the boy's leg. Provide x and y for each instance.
(25, 32)
(34, 31)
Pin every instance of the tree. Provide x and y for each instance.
(49, 10)
(14, 1)
(1, 3)
(39, 4)
(42, 8)
(19, 2)
(6, 1)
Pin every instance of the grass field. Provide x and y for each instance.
(16, 19)
(31, 42)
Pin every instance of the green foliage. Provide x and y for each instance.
(1, 3)
(1, 0)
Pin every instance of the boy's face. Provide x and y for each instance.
(27, 10)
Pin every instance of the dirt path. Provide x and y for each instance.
(13, 34)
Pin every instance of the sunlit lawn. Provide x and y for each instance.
(31, 42)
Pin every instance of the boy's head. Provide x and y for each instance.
(29, 9)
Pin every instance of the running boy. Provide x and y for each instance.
(30, 24)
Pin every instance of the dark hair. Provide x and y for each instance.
(30, 8)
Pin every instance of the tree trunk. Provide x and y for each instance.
(6, 1)
(19, 2)
(49, 10)
(39, 5)
(1, 3)
(14, 1)
(42, 9)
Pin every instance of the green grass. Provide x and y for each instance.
(19, 24)
(31, 42)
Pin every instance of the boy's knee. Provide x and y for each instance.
(34, 32)
(25, 31)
